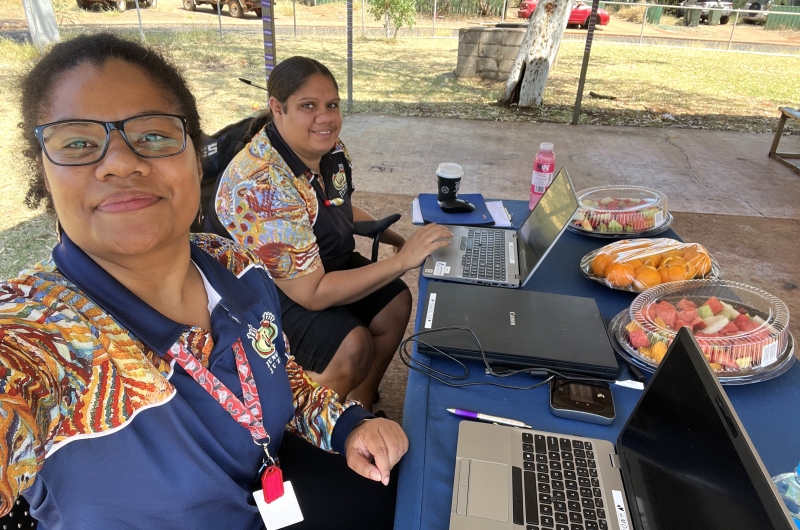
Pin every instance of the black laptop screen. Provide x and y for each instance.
(682, 468)
(546, 222)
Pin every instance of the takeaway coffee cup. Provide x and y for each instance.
(449, 175)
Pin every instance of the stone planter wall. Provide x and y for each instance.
(488, 53)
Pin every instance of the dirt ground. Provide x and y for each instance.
(171, 12)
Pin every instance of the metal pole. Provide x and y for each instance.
(349, 55)
(294, 16)
(576, 114)
(363, 31)
(644, 19)
(505, 7)
(434, 17)
(268, 27)
(139, 15)
(733, 28)
(219, 16)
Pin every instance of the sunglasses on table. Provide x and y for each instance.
(84, 142)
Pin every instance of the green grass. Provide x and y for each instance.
(654, 86)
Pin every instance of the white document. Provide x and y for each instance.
(499, 214)
(416, 213)
(281, 512)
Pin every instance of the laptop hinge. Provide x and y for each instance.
(614, 460)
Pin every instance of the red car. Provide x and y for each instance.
(579, 15)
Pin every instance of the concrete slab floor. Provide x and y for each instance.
(711, 172)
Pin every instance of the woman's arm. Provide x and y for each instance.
(29, 409)
(319, 290)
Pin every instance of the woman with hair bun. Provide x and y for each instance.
(287, 196)
(145, 380)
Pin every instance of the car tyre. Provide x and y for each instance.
(235, 9)
(121, 5)
(258, 12)
(724, 20)
(189, 5)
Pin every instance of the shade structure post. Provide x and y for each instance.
(219, 16)
(350, 55)
(139, 16)
(435, 7)
(576, 113)
(268, 25)
(294, 16)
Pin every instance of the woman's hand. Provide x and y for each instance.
(374, 447)
(422, 243)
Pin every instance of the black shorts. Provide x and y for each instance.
(315, 336)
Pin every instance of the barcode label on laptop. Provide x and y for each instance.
(429, 316)
(619, 507)
(439, 269)
(769, 354)
(512, 256)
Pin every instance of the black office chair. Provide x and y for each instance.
(374, 230)
(18, 517)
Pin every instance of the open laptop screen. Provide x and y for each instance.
(686, 461)
(546, 223)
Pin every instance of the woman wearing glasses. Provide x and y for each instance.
(145, 381)
(287, 196)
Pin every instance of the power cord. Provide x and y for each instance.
(407, 359)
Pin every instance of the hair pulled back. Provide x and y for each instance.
(287, 78)
(37, 86)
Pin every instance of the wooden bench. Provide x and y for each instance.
(784, 158)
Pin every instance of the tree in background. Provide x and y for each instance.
(395, 13)
(537, 54)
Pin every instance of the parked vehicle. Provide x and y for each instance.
(236, 8)
(579, 16)
(120, 5)
(758, 10)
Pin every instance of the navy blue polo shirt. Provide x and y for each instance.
(183, 462)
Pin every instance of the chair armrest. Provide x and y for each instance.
(374, 230)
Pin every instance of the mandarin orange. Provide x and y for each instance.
(672, 273)
(620, 274)
(698, 263)
(599, 264)
(646, 277)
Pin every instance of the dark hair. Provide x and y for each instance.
(37, 85)
(286, 79)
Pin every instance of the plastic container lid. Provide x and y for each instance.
(449, 170)
(546, 146)
(742, 330)
(620, 209)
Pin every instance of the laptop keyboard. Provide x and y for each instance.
(484, 254)
(561, 485)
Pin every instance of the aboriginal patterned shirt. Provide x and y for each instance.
(270, 202)
(100, 430)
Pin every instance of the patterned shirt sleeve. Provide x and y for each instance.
(265, 208)
(317, 408)
(30, 405)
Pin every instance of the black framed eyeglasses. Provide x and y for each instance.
(84, 142)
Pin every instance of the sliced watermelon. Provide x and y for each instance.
(687, 315)
(741, 319)
(714, 304)
(730, 329)
(749, 325)
(667, 313)
(685, 304)
(638, 339)
(697, 324)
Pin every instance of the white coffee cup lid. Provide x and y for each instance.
(449, 170)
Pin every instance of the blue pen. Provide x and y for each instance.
(487, 417)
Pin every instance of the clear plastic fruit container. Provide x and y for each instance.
(742, 330)
(620, 209)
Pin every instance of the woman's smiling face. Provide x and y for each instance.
(311, 120)
(122, 204)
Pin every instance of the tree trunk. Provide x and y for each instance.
(537, 54)
(387, 24)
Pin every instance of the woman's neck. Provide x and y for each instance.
(311, 163)
(165, 279)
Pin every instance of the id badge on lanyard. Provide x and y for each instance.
(276, 500)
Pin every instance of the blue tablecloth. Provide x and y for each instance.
(770, 411)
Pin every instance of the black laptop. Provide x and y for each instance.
(518, 328)
(682, 462)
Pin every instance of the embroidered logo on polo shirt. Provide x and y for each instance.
(340, 181)
(263, 339)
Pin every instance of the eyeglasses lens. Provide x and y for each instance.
(81, 142)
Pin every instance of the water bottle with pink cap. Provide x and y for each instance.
(543, 167)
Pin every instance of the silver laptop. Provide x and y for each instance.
(682, 462)
(506, 258)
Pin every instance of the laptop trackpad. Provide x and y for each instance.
(488, 490)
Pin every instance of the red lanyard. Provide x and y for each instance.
(249, 413)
